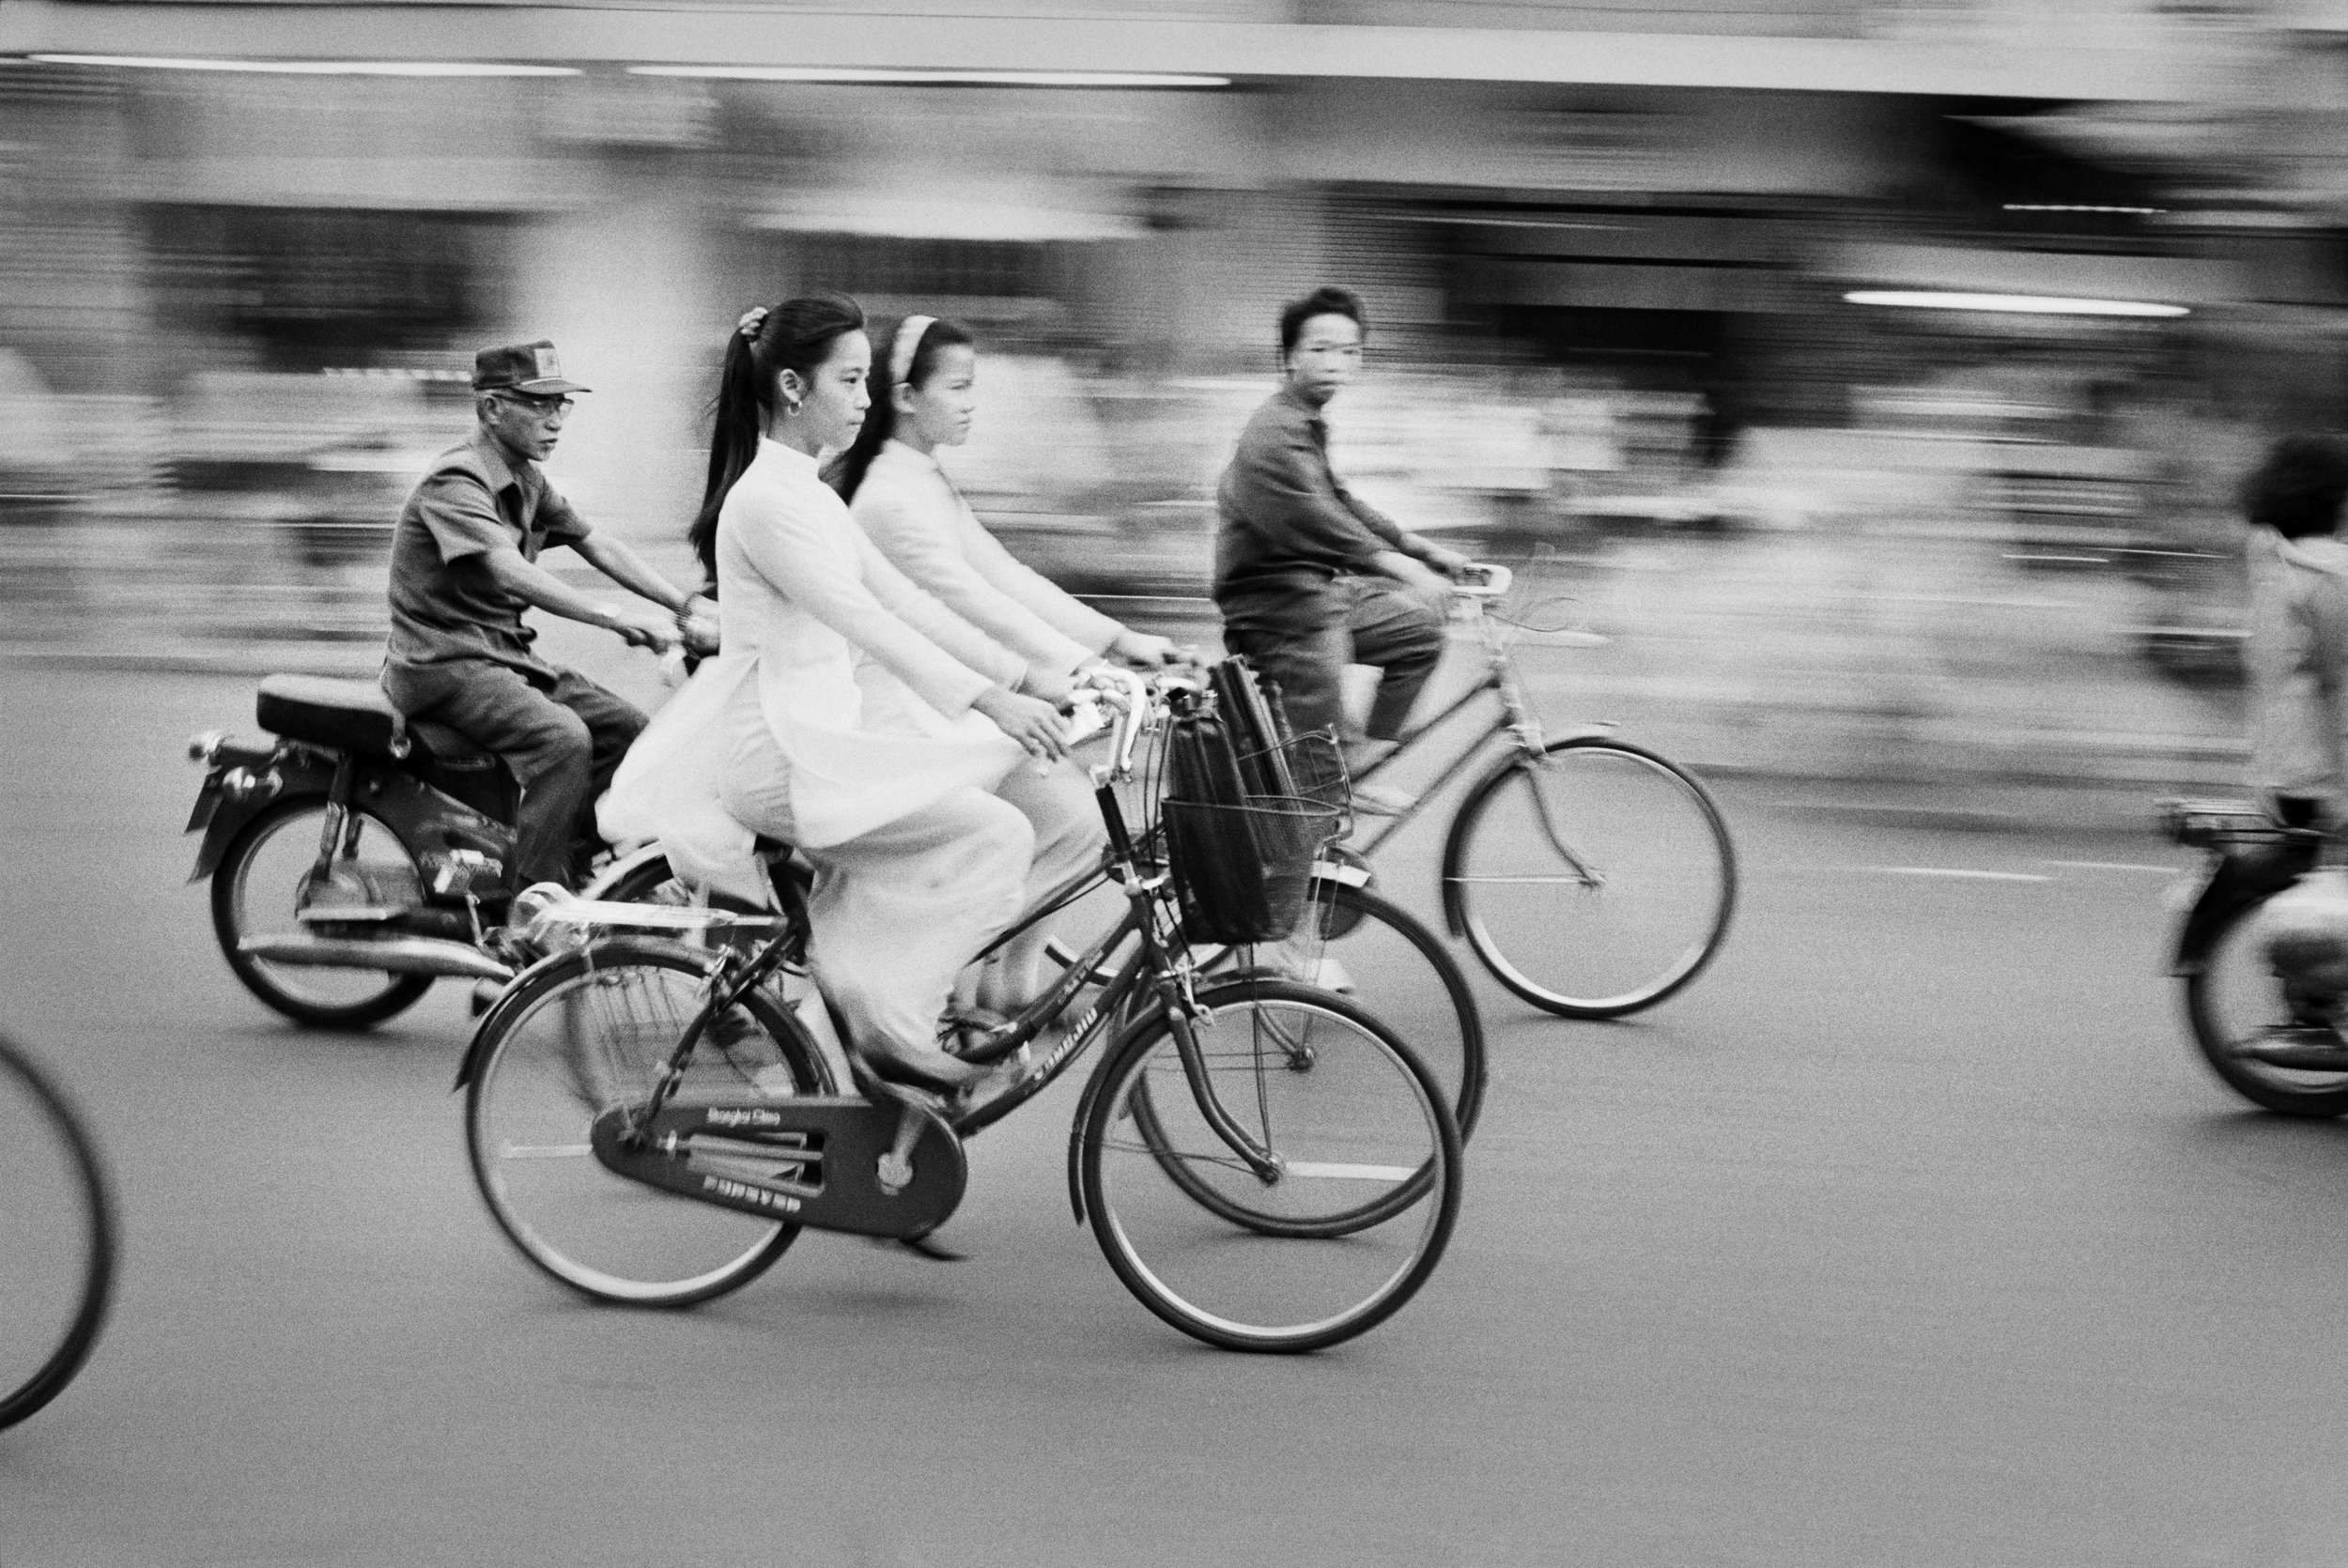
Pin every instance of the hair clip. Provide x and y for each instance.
(753, 319)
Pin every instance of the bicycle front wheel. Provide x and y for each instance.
(57, 1240)
(1592, 881)
(593, 1029)
(1329, 1147)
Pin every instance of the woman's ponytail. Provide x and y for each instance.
(796, 335)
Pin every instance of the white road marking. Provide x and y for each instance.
(1339, 1170)
(1959, 872)
(2116, 866)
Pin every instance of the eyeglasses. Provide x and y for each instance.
(541, 408)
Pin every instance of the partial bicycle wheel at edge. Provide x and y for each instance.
(591, 1029)
(1360, 1120)
(2231, 995)
(57, 1240)
(1594, 881)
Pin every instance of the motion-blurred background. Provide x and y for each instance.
(1872, 373)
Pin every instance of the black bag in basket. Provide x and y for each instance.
(1242, 855)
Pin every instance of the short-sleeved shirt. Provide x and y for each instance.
(445, 605)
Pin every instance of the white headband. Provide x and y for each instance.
(909, 332)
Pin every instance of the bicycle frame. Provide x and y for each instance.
(1154, 964)
(1515, 720)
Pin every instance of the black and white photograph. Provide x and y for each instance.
(1048, 783)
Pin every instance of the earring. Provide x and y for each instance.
(789, 405)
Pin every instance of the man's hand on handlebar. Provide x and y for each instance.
(637, 631)
(1431, 591)
(1451, 564)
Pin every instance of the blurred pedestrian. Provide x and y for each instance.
(1310, 578)
(2298, 668)
(2298, 652)
(465, 568)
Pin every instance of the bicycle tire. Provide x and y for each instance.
(1472, 914)
(1411, 1114)
(2210, 997)
(101, 1231)
(746, 1245)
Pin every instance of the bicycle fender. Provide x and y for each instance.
(1092, 1091)
(221, 811)
(2241, 879)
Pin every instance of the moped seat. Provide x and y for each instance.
(356, 717)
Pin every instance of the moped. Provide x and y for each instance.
(356, 855)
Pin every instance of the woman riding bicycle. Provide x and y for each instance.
(850, 713)
(906, 505)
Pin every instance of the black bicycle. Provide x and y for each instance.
(57, 1238)
(1225, 1116)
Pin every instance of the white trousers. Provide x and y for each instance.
(897, 914)
(1069, 838)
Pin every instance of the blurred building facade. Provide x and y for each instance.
(1626, 232)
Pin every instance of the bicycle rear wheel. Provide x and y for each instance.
(57, 1238)
(1347, 1228)
(1593, 881)
(593, 1029)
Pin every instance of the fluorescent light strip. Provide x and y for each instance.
(2017, 305)
(2057, 206)
(955, 78)
(311, 67)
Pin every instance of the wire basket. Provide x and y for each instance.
(1242, 872)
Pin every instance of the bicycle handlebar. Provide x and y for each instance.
(1493, 581)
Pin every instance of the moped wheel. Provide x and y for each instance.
(2235, 995)
(1594, 881)
(591, 1029)
(1346, 1228)
(58, 1232)
(255, 892)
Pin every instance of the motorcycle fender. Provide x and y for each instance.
(2241, 879)
(221, 816)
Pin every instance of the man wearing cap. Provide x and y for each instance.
(464, 567)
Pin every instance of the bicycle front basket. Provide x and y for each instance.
(1242, 872)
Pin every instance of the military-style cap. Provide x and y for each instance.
(522, 367)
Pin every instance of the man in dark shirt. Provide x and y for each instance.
(464, 567)
(1309, 579)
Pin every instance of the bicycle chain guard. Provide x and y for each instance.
(827, 1161)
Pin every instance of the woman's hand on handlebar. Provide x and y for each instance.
(1047, 685)
(1036, 726)
(697, 626)
(1150, 652)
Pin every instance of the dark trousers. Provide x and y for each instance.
(1304, 644)
(562, 734)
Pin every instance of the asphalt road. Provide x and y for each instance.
(1911, 1235)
